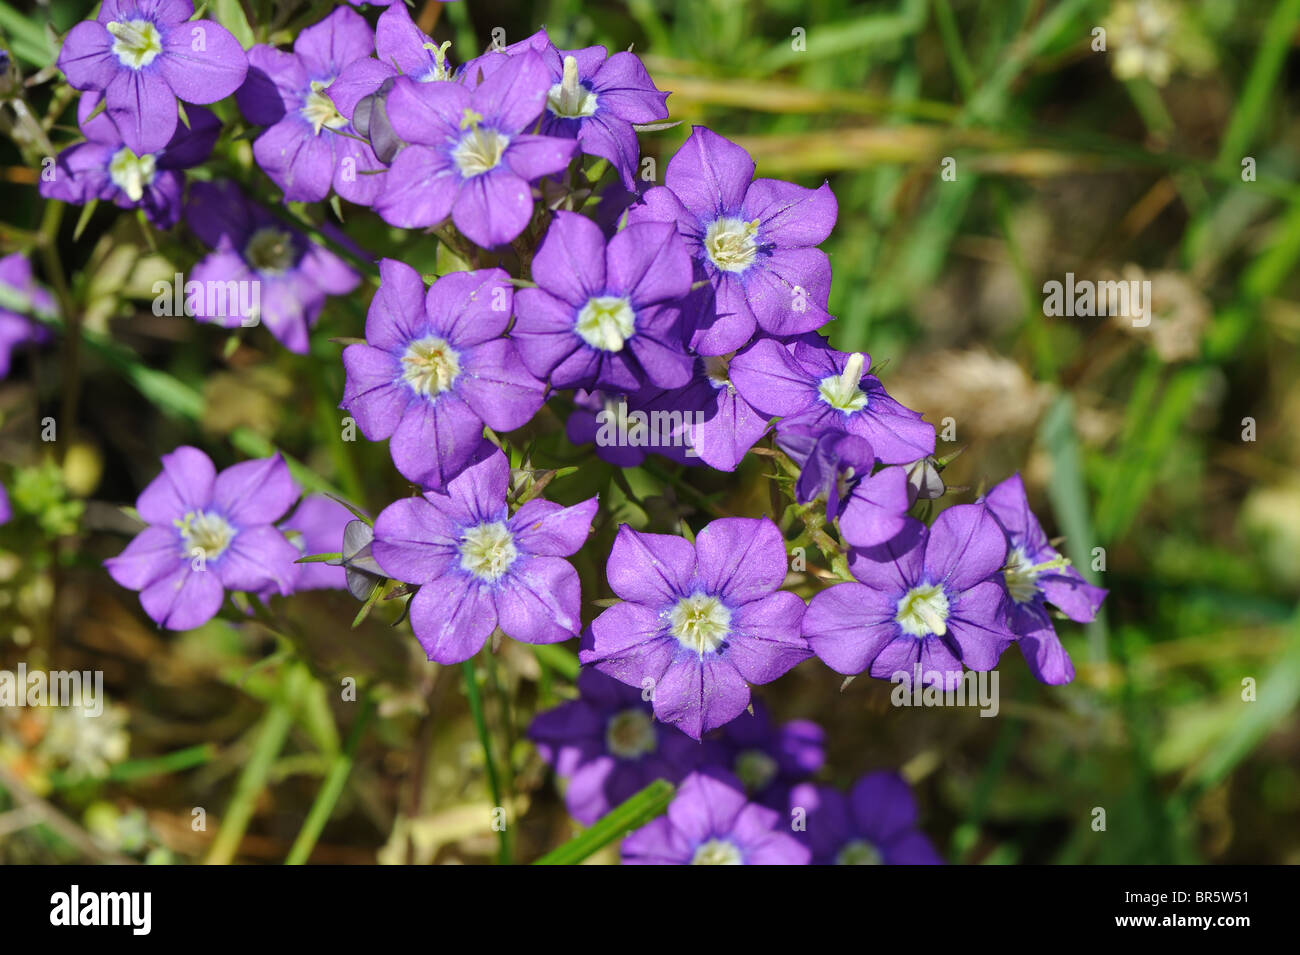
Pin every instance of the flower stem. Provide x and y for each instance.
(270, 740)
(328, 795)
(475, 698)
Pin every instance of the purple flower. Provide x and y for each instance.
(874, 825)
(309, 144)
(719, 425)
(596, 100)
(699, 622)
(479, 567)
(607, 746)
(754, 241)
(835, 465)
(6, 512)
(436, 368)
(606, 315)
(931, 596)
(316, 527)
(20, 296)
(289, 275)
(710, 823)
(361, 90)
(143, 56)
(402, 49)
(770, 759)
(208, 533)
(622, 430)
(819, 389)
(1036, 574)
(104, 167)
(473, 72)
(705, 420)
(472, 155)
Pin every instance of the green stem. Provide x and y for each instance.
(475, 698)
(270, 740)
(328, 795)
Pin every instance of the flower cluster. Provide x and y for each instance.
(570, 280)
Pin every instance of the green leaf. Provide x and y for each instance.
(318, 558)
(646, 805)
(562, 661)
(230, 14)
(27, 38)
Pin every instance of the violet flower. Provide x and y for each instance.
(930, 596)
(436, 368)
(596, 99)
(769, 759)
(1036, 574)
(308, 144)
(401, 49)
(607, 746)
(143, 56)
(611, 423)
(6, 512)
(104, 167)
(720, 426)
(361, 90)
(292, 275)
(20, 297)
(472, 154)
(816, 388)
(875, 824)
(710, 823)
(705, 421)
(208, 533)
(605, 315)
(753, 240)
(700, 622)
(837, 466)
(316, 527)
(479, 567)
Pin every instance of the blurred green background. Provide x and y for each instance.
(1123, 162)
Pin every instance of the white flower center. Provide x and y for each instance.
(319, 109)
(717, 852)
(700, 623)
(488, 550)
(606, 323)
(842, 391)
(630, 734)
(859, 852)
(923, 611)
(730, 245)
(135, 42)
(210, 534)
(569, 98)
(480, 149)
(1021, 577)
(755, 769)
(132, 173)
(429, 366)
(270, 250)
